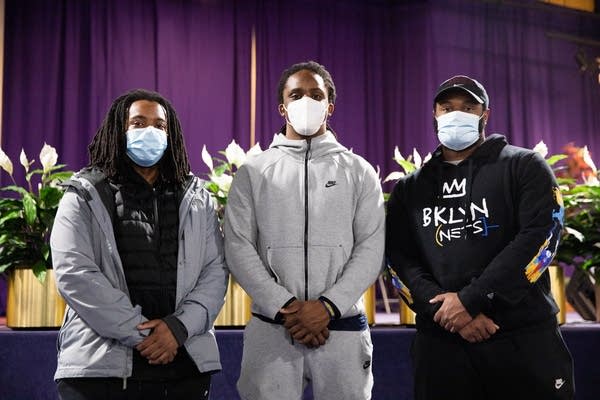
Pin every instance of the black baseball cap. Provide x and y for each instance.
(469, 85)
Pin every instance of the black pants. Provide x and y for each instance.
(112, 388)
(529, 364)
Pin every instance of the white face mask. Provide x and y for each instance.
(306, 115)
(458, 130)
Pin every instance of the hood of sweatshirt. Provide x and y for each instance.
(320, 146)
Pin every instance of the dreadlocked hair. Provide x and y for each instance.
(311, 66)
(108, 148)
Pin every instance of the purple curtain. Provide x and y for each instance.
(387, 59)
(65, 61)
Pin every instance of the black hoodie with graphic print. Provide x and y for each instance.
(486, 228)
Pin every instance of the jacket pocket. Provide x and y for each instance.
(325, 267)
(286, 265)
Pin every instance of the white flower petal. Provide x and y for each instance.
(235, 154)
(254, 150)
(48, 157)
(417, 160)
(394, 176)
(427, 158)
(578, 235)
(207, 158)
(378, 170)
(24, 161)
(592, 180)
(222, 181)
(397, 156)
(541, 148)
(587, 158)
(5, 163)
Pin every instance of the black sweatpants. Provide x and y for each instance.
(196, 388)
(532, 363)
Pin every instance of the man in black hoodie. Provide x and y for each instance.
(470, 236)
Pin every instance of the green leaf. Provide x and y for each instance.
(29, 206)
(17, 189)
(10, 215)
(39, 270)
(33, 172)
(407, 166)
(46, 253)
(212, 187)
(59, 176)
(4, 267)
(221, 169)
(555, 158)
(50, 196)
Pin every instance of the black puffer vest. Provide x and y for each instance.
(146, 224)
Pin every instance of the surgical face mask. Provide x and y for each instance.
(458, 130)
(146, 146)
(306, 115)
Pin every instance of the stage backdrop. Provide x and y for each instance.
(65, 61)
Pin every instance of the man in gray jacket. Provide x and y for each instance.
(304, 236)
(138, 256)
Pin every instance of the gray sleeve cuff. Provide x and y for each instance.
(177, 329)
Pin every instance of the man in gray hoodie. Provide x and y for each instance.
(138, 257)
(304, 236)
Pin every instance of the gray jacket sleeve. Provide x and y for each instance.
(366, 261)
(200, 307)
(241, 236)
(103, 306)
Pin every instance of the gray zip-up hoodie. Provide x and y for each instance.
(305, 220)
(99, 330)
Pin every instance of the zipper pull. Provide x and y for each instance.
(124, 383)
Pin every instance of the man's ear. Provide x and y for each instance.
(281, 109)
(330, 109)
(486, 116)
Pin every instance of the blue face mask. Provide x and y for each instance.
(458, 130)
(146, 146)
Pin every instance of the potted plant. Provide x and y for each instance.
(580, 244)
(236, 310)
(26, 217)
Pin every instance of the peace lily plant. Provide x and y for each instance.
(27, 213)
(222, 171)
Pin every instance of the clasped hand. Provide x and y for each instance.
(160, 347)
(454, 317)
(307, 321)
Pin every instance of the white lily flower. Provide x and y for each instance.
(222, 181)
(427, 158)
(592, 180)
(588, 159)
(207, 158)
(24, 161)
(397, 156)
(417, 160)
(578, 235)
(394, 176)
(48, 157)
(235, 154)
(5, 163)
(254, 150)
(541, 148)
